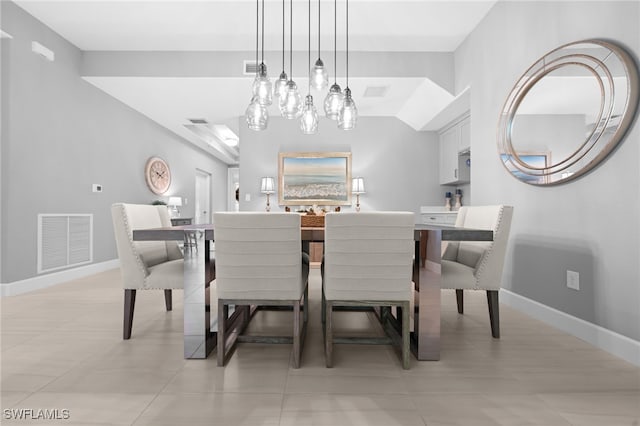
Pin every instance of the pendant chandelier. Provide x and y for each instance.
(309, 119)
(291, 103)
(319, 77)
(338, 105)
(333, 101)
(348, 115)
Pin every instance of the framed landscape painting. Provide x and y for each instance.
(321, 178)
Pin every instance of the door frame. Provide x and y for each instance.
(207, 180)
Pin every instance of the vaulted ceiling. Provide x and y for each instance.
(175, 61)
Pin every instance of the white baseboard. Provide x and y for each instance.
(607, 340)
(48, 280)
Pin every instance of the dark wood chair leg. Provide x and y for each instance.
(460, 301)
(129, 305)
(494, 312)
(168, 300)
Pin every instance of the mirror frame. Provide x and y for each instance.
(594, 148)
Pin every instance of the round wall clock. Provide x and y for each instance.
(157, 175)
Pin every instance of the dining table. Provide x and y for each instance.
(200, 324)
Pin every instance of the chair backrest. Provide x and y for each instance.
(487, 258)
(137, 256)
(368, 256)
(258, 255)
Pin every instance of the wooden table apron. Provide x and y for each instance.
(200, 334)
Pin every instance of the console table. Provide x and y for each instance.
(178, 221)
(199, 272)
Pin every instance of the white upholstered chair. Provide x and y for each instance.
(368, 262)
(478, 265)
(259, 262)
(145, 265)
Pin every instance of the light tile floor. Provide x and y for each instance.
(62, 348)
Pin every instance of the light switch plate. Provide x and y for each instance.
(573, 280)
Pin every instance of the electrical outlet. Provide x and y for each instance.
(247, 197)
(573, 280)
(96, 187)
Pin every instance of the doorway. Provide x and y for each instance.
(233, 189)
(202, 212)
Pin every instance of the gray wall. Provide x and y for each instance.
(400, 165)
(590, 225)
(63, 135)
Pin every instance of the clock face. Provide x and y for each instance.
(157, 175)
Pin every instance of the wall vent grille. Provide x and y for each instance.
(64, 240)
(249, 67)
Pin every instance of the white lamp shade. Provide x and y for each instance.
(357, 186)
(175, 201)
(268, 185)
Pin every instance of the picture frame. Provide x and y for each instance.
(314, 178)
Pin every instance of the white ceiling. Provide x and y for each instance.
(215, 25)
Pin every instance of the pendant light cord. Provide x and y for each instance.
(335, 41)
(257, 34)
(282, 35)
(309, 51)
(347, 43)
(263, 31)
(291, 40)
(318, 29)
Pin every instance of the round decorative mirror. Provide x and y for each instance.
(567, 112)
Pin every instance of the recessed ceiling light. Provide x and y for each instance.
(231, 141)
(198, 120)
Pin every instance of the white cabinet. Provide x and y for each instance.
(464, 143)
(455, 142)
(448, 218)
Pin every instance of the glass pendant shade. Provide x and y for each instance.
(309, 119)
(333, 102)
(348, 113)
(257, 115)
(280, 87)
(262, 86)
(291, 103)
(319, 76)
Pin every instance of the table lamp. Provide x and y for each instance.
(357, 188)
(174, 203)
(268, 186)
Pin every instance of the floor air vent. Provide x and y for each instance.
(64, 240)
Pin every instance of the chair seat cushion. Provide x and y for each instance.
(457, 275)
(166, 275)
